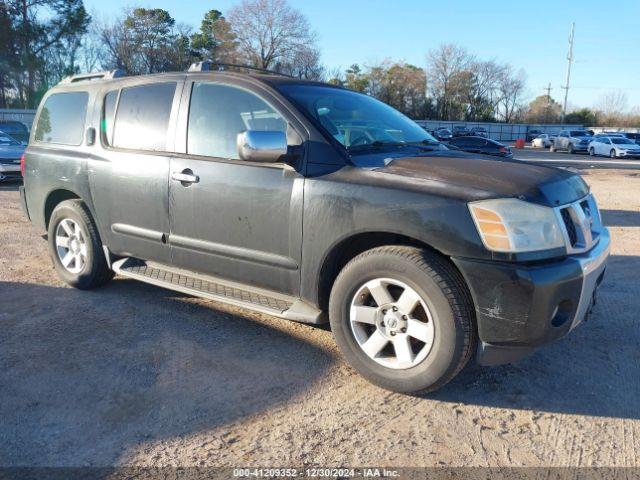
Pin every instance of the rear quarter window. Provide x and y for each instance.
(62, 118)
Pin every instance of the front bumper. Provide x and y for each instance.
(521, 307)
(10, 171)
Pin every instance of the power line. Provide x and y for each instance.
(569, 62)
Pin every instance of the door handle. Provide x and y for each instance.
(186, 176)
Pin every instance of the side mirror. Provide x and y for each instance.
(262, 146)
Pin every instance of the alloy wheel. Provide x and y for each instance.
(391, 323)
(71, 246)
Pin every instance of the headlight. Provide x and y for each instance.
(511, 225)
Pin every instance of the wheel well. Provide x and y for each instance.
(54, 198)
(352, 247)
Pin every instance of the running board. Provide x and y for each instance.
(225, 291)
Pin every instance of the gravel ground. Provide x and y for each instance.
(132, 374)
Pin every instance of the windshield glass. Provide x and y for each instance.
(354, 119)
(621, 141)
(7, 140)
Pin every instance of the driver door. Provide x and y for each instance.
(237, 220)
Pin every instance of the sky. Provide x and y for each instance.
(532, 36)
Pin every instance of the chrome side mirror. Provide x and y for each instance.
(262, 146)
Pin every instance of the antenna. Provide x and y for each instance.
(569, 62)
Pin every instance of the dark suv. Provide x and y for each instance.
(313, 203)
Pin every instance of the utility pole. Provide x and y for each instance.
(569, 62)
(548, 109)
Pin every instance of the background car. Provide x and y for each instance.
(10, 152)
(635, 136)
(541, 141)
(443, 134)
(15, 129)
(533, 133)
(481, 145)
(479, 132)
(572, 141)
(460, 131)
(614, 147)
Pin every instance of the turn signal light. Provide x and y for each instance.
(491, 228)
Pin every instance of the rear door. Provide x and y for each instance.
(129, 173)
(238, 220)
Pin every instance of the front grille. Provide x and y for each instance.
(582, 224)
(9, 161)
(570, 226)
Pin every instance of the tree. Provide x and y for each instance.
(273, 35)
(583, 116)
(355, 78)
(510, 90)
(543, 109)
(612, 107)
(145, 41)
(36, 27)
(215, 41)
(446, 73)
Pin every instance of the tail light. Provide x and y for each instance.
(22, 167)
(503, 150)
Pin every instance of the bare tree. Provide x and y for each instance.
(446, 67)
(273, 35)
(511, 88)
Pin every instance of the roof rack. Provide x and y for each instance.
(209, 66)
(106, 75)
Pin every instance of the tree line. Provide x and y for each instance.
(43, 41)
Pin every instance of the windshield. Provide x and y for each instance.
(354, 119)
(7, 140)
(622, 141)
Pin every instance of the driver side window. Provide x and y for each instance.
(218, 113)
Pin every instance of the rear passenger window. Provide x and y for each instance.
(219, 112)
(143, 117)
(62, 118)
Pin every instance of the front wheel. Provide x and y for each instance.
(552, 149)
(612, 153)
(403, 318)
(592, 152)
(571, 149)
(75, 246)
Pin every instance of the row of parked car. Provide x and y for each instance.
(610, 144)
(14, 137)
(473, 140)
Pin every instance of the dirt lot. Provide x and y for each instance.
(135, 375)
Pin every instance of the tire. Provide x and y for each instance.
(592, 152)
(443, 306)
(73, 235)
(612, 153)
(571, 149)
(552, 149)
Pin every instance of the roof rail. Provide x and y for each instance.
(106, 75)
(209, 66)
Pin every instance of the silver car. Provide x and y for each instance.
(10, 152)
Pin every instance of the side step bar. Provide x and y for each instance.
(225, 291)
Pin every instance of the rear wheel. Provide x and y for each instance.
(75, 246)
(552, 149)
(403, 318)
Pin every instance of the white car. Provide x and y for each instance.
(541, 141)
(614, 147)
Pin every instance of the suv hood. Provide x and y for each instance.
(479, 177)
